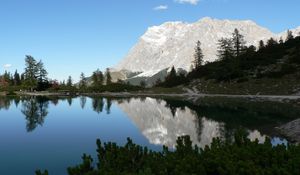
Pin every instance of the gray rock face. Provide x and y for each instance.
(173, 43)
(291, 130)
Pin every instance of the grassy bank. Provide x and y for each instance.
(287, 85)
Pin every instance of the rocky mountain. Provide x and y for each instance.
(173, 43)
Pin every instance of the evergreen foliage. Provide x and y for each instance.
(97, 78)
(240, 156)
(31, 72)
(172, 79)
(238, 43)
(108, 77)
(83, 82)
(198, 56)
(289, 35)
(225, 49)
(261, 45)
(70, 82)
(272, 60)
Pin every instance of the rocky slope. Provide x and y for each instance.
(172, 43)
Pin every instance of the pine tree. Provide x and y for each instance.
(108, 77)
(7, 77)
(225, 49)
(31, 72)
(17, 79)
(41, 72)
(281, 40)
(97, 78)
(290, 35)
(271, 42)
(261, 45)
(171, 79)
(172, 74)
(198, 56)
(69, 82)
(22, 77)
(238, 42)
(82, 83)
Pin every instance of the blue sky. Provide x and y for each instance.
(74, 36)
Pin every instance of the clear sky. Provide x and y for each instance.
(74, 36)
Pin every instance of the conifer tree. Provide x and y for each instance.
(271, 42)
(41, 72)
(97, 78)
(171, 78)
(82, 83)
(225, 49)
(261, 45)
(108, 77)
(69, 82)
(289, 35)
(17, 79)
(31, 72)
(198, 56)
(238, 43)
(281, 40)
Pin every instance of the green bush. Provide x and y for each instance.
(223, 157)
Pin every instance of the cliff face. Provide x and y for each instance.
(173, 43)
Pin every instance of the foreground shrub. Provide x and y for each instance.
(223, 157)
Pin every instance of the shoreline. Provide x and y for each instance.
(145, 94)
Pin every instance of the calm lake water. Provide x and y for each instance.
(53, 133)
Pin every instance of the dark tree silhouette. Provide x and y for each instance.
(289, 35)
(198, 56)
(238, 42)
(82, 101)
(98, 104)
(83, 81)
(108, 105)
(35, 110)
(225, 49)
(261, 45)
(108, 77)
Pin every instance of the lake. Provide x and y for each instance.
(53, 132)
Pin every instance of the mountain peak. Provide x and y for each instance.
(206, 19)
(173, 43)
(216, 20)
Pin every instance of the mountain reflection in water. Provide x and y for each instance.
(160, 121)
(51, 132)
(162, 125)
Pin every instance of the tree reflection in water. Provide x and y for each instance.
(82, 101)
(161, 121)
(70, 101)
(108, 105)
(98, 104)
(5, 103)
(35, 110)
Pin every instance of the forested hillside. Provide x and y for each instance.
(273, 68)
